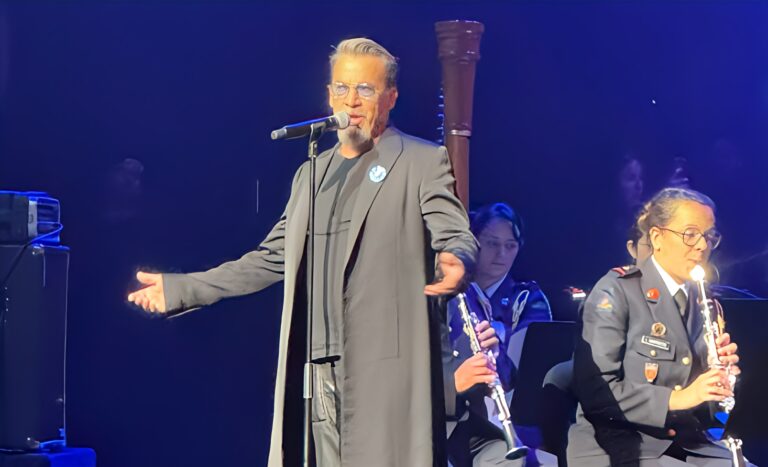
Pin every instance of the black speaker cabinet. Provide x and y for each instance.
(747, 321)
(33, 314)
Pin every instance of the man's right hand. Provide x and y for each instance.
(710, 386)
(151, 298)
(474, 370)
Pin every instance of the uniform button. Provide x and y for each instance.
(686, 361)
(466, 403)
(455, 353)
(653, 353)
(678, 387)
(450, 329)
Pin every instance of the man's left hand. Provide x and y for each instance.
(452, 272)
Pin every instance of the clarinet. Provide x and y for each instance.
(711, 333)
(515, 449)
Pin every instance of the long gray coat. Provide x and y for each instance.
(622, 417)
(392, 372)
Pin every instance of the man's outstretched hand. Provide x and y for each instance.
(451, 274)
(151, 298)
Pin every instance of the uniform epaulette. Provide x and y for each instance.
(625, 270)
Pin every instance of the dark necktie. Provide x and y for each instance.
(682, 303)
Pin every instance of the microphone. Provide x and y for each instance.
(337, 121)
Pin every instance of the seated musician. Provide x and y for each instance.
(641, 364)
(516, 304)
(473, 441)
(509, 306)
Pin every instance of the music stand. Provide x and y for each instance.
(544, 345)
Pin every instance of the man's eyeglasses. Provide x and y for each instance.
(692, 236)
(364, 90)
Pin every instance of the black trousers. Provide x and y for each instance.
(326, 413)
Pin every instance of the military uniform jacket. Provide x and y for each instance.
(405, 212)
(626, 366)
(518, 304)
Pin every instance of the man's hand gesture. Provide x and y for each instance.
(450, 276)
(151, 298)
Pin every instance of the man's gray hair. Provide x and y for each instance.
(660, 210)
(365, 46)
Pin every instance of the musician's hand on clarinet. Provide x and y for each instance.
(710, 386)
(487, 336)
(151, 298)
(726, 350)
(450, 275)
(474, 370)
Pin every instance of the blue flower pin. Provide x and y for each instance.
(377, 173)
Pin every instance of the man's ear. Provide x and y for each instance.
(392, 98)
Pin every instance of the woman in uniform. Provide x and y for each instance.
(640, 365)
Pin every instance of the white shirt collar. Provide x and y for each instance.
(672, 285)
(491, 289)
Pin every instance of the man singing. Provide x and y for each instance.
(386, 215)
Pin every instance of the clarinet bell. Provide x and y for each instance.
(517, 452)
(515, 448)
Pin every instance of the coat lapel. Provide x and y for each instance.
(298, 219)
(386, 153)
(663, 309)
(323, 162)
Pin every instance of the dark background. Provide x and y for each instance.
(150, 122)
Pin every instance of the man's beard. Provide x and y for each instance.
(355, 137)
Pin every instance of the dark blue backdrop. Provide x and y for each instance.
(150, 122)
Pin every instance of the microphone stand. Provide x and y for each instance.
(314, 136)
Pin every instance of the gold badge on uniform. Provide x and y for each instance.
(658, 329)
(651, 371)
(605, 304)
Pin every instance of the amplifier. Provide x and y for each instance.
(25, 216)
(33, 311)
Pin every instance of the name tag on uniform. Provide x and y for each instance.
(656, 342)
